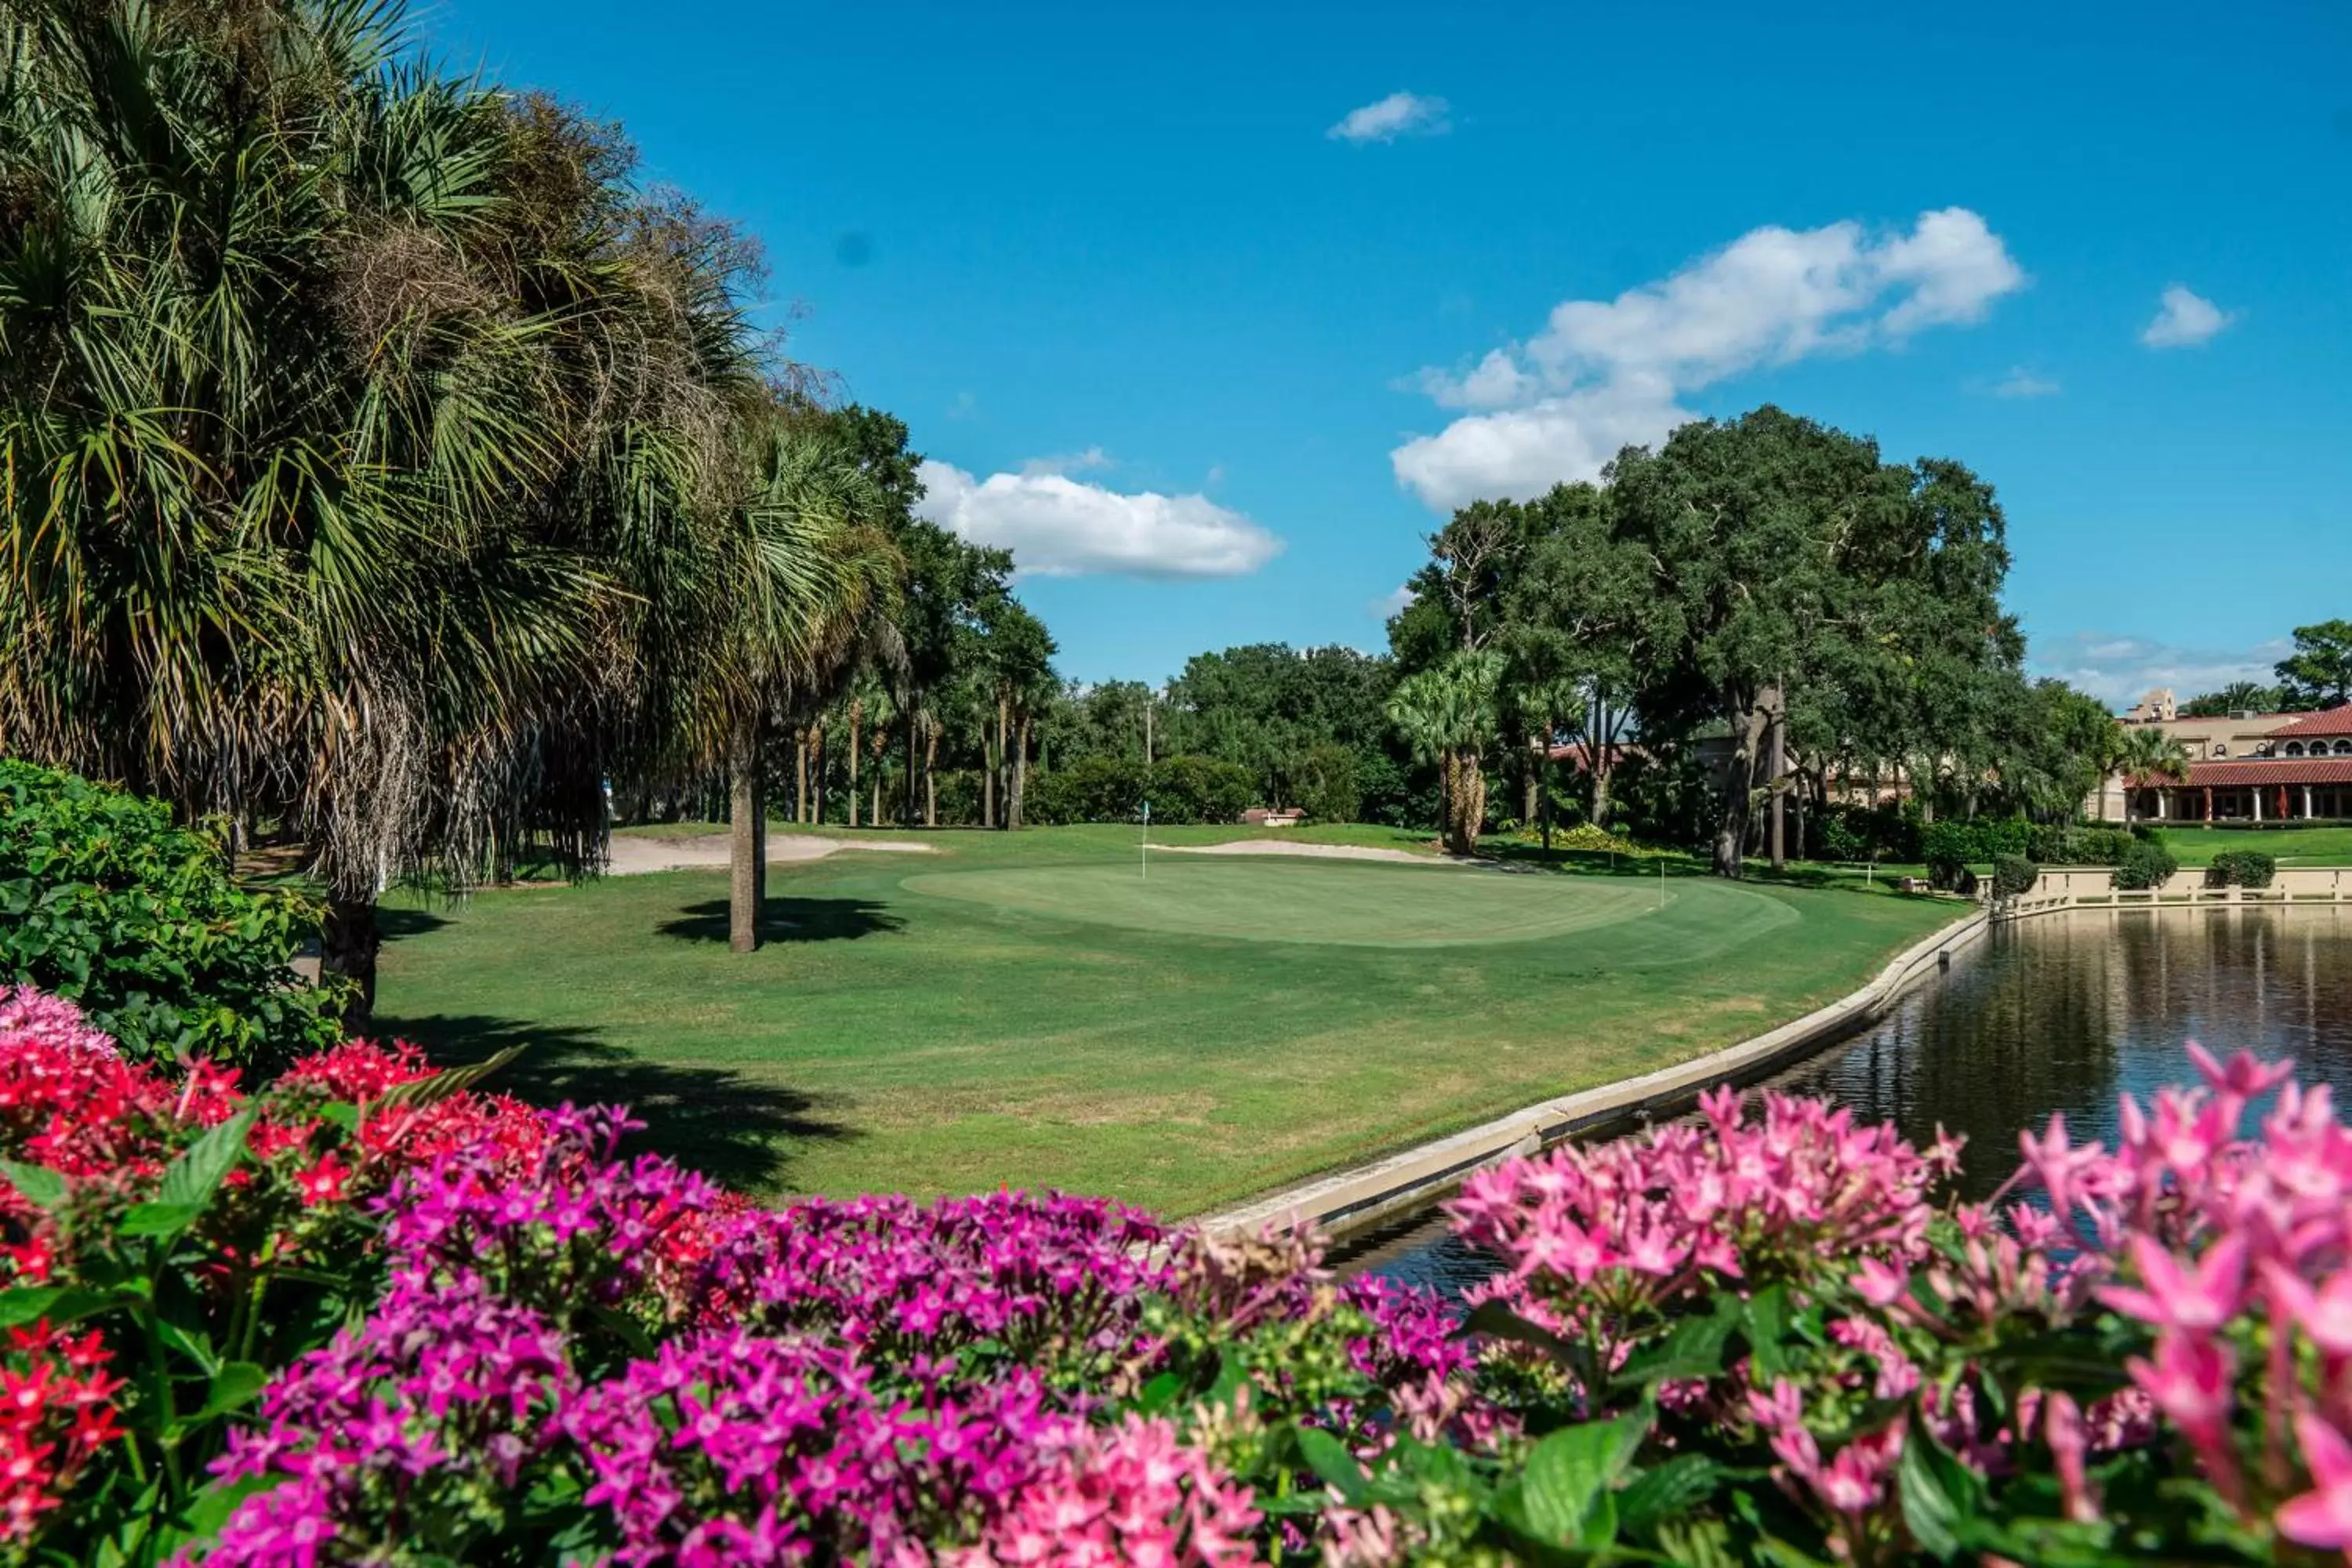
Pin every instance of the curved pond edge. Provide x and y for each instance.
(1344, 1203)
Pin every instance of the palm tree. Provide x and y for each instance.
(1448, 714)
(2144, 752)
(280, 434)
(811, 576)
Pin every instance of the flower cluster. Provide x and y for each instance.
(419, 1421)
(1728, 1198)
(555, 1349)
(2234, 1245)
(56, 1413)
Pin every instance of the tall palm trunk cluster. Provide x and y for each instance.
(380, 458)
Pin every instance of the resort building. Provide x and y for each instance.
(2243, 767)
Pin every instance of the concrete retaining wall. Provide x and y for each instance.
(2063, 888)
(1356, 1199)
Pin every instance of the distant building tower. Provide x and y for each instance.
(2157, 708)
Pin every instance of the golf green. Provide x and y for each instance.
(1031, 1009)
(1270, 899)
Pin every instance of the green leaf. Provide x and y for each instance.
(1328, 1458)
(445, 1083)
(1694, 1348)
(59, 1304)
(42, 1187)
(233, 1386)
(1569, 1471)
(1159, 1394)
(211, 1508)
(157, 1219)
(191, 1179)
(1659, 1493)
(1494, 1319)
(1938, 1493)
(193, 1343)
(342, 1114)
(1231, 1379)
(1767, 1317)
(26, 1304)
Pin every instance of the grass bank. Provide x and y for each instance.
(1013, 1010)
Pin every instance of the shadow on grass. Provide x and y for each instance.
(788, 920)
(734, 1129)
(398, 921)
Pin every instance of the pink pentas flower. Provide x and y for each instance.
(2243, 1077)
(2324, 1314)
(1882, 1284)
(2321, 1517)
(2197, 1299)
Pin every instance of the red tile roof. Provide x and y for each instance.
(2268, 770)
(2328, 721)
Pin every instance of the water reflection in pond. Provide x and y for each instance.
(2059, 1014)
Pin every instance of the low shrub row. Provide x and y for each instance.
(374, 1314)
(2055, 844)
(2240, 869)
(2146, 864)
(2013, 874)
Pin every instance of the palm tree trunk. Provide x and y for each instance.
(907, 815)
(1003, 753)
(816, 771)
(745, 850)
(348, 941)
(987, 779)
(931, 775)
(800, 776)
(854, 714)
(1020, 771)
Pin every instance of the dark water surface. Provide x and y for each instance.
(2063, 1013)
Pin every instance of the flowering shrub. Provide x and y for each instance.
(372, 1313)
(105, 901)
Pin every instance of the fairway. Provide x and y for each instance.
(1027, 1009)
(1271, 899)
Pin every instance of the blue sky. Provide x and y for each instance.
(1210, 353)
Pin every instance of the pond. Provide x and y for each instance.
(2058, 1013)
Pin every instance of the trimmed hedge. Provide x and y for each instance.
(1944, 845)
(2052, 843)
(2013, 874)
(2240, 869)
(2147, 864)
(104, 900)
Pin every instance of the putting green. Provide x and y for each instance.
(1269, 900)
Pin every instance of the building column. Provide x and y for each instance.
(2307, 803)
(2256, 794)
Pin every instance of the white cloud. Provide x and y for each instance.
(2023, 383)
(1393, 603)
(2186, 319)
(1602, 374)
(1069, 462)
(1056, 526)
(1398, 114)
(2120, 670)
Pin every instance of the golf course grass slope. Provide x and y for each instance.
(1039, 1009)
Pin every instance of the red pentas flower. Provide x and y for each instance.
(56, 1408)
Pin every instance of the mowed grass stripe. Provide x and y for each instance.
(891, 1038)
(1321, 903)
